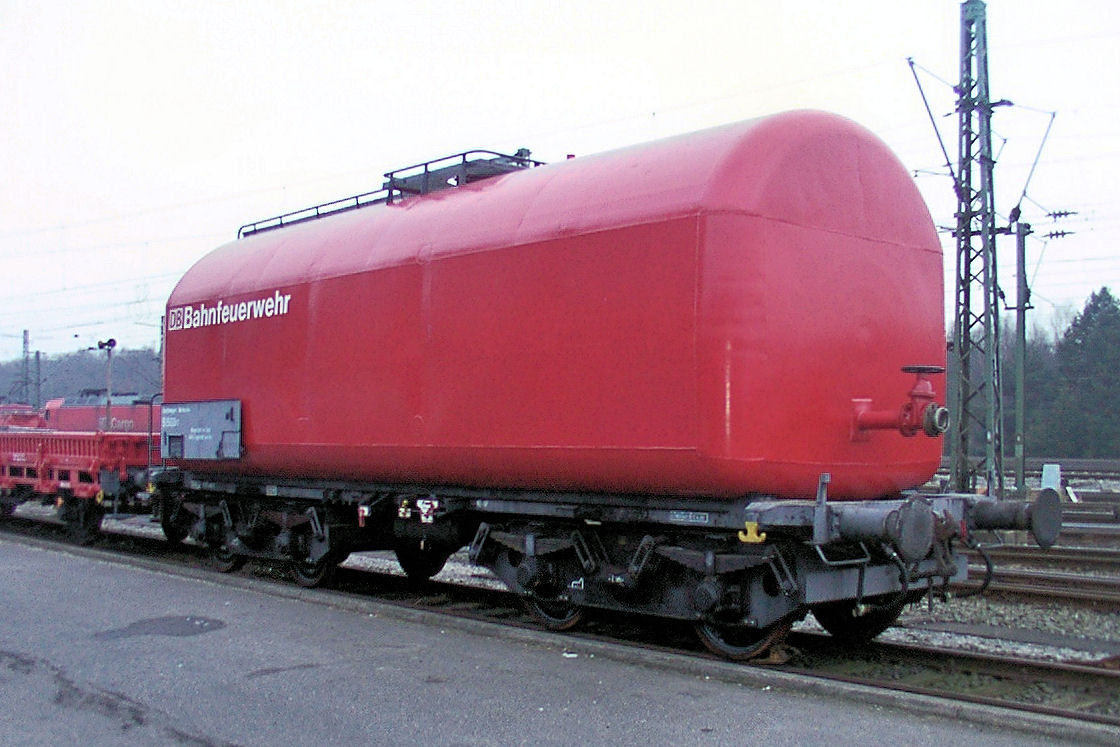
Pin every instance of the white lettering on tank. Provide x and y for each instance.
(206, 315)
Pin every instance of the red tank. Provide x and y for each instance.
(704, 315)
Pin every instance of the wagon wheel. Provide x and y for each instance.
(83, 519)
(222, 558)
(554, 615)
(309, 574)
(173, 528)
(172, 531)
(847, 622)
(739, 642)
(421, 564)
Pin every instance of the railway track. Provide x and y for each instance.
(1096, 512)
(1092, 515)
(1077, 534)
(1084, 568)
(1068, 691)
(1094, 469)
(1056, 558)
(1046, 586)
(1086, 696)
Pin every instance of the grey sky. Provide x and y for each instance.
(137, 136)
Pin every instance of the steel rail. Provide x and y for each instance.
(1100, 558)
(1095, 591)
(990, 675)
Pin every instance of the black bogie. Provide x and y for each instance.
(312, 537)
(635, 572)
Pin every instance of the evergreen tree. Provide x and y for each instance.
(1042, 381)
(1084, 417)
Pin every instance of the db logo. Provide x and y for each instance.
(175, 319)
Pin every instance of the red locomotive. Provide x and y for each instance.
(20, 416)
(88, 413)
(691, 378)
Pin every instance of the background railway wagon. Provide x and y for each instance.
(127, 413)
(81, 472)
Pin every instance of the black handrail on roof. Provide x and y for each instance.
(418, 179)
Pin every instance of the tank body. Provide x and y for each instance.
(694, 316)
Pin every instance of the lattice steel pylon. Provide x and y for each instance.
(25, 378)
(976, 323)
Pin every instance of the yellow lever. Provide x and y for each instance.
(752, 535)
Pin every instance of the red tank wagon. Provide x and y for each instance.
(631, 380)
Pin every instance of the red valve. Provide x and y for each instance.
(920, 414)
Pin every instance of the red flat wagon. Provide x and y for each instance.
(78, 471)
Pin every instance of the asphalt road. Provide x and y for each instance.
(94, 651)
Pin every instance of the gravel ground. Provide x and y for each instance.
(1079, 634)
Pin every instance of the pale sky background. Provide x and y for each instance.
(136, 136)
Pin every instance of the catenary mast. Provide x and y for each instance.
(977, 442)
